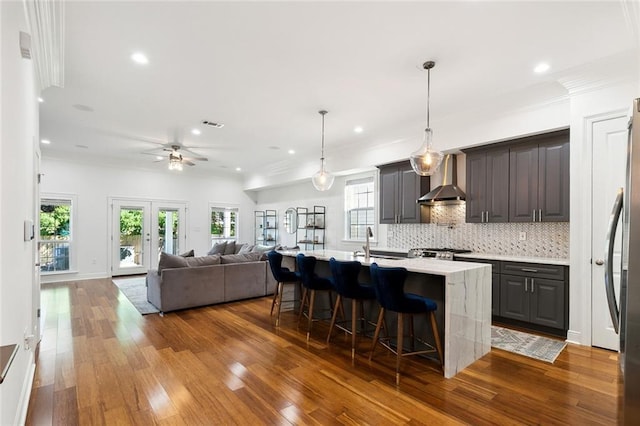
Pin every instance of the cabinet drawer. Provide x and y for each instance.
(495, 264)
(535, 270)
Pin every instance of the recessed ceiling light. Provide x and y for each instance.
(158, 157)
(541, 67)
(291, 151)
(238, 169)
(40, 99)
(196, 131)
(139, 58)
(358, 129)
(45, 141)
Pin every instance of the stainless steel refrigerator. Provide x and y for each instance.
(626, 314)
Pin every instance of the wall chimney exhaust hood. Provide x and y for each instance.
(447, 193)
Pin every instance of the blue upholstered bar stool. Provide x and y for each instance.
(389, 287)
(311, 283)
(345, 281)
(282, 276)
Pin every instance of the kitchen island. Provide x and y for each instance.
(463, 289)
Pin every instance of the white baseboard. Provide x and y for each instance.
(25, 395)
(72, 277)
(575, 337)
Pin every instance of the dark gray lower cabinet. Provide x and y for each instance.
(534, 293)
(529, 292)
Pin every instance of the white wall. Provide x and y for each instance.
(93, 184)
(18, 133)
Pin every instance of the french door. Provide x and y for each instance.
(141, 230)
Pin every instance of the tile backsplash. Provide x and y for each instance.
(448, 229)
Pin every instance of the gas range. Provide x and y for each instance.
(437, 253)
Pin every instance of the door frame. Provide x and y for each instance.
(154, 205)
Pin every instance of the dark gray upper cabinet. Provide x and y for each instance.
(400, 187)
(488, 185)
(539, 179)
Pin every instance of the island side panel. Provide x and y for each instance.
(468, 318)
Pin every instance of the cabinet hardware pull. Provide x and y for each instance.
(487, 216)
(525, 284)
(535, 271)
(481, 217)
(599, 262)
(532, 283)
(539, 215)
(533, 215)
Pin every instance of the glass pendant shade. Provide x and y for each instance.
(322, 179)
(175, 162)
(425, 161)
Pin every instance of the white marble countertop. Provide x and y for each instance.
(510, 258)
(421, 265)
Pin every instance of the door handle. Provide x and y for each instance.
(614, 310)
(599, 262)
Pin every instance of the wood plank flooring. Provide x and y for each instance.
(101, 362)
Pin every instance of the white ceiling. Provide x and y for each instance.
(264, 69)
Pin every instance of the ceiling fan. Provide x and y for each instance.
(176, 159)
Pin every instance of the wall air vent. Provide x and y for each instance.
(25, 45)
(213, 124)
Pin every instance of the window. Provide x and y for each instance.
(56, 234)
(359, 207)
(224, 223)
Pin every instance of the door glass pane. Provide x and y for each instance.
(131, 239)
(168, 222)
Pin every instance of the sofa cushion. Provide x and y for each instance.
(239, 258)
(230, 248)
(189, 253)
(168, 261)
(246, 248)
(218, 248)
(204, 260)
(239, 247)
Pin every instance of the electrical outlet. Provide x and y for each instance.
(522, 236)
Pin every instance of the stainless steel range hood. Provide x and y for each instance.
(447, 193)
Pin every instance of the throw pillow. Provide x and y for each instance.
(230, 248)
(189, 253)
(239, 247)
(204, 260)
(218, 248)
(239, 258)
(168, 261)
(246, 248)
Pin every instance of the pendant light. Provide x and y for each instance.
(425, 161)
(322, 179)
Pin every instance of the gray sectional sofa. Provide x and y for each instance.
(181, 283)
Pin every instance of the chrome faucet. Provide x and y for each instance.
(367, 246)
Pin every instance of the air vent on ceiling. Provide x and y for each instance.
(213, 124)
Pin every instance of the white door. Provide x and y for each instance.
(169, 229)
(608, 171)
(131, 237)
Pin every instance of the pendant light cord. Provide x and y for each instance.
(428, 94)
(322, 112)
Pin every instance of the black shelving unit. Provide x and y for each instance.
(266, 227)
(311, 227)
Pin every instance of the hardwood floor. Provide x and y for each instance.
(101, 362)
